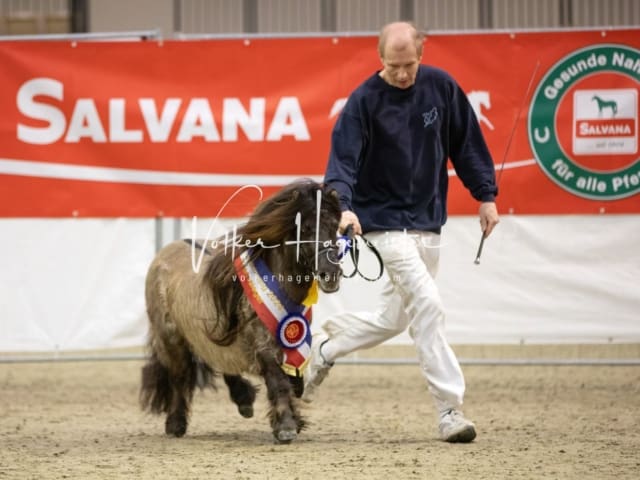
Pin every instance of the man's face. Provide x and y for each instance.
(399, 67)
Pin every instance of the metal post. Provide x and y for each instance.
(177, 16)
(250, 16)
(328, 16)
(79, 16)
(485, 14)
(407, 10)
(158, 233)
(177, 228)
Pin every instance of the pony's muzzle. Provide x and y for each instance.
(329, 282)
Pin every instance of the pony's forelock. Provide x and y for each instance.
(272, 223)
(273, 219)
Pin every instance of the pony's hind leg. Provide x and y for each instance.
(286, 421)
(167, 387)
(242, 393)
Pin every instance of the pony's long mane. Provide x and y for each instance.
(271, 224)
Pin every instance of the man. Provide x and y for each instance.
(388, 162)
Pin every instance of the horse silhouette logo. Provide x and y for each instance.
(585, 135)
(480, 99)
(603, 104)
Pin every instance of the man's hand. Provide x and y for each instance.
(348, 217)
(488, 217)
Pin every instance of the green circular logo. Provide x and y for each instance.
(583, 122)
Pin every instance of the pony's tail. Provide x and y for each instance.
(159, 390)
(156, 394)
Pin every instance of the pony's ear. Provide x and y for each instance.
(329, 190)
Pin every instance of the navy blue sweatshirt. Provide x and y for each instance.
(390, 147)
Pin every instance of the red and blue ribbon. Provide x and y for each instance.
(287, 321)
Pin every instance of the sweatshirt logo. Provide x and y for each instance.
(430, 117)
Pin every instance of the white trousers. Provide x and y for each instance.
(410, 298)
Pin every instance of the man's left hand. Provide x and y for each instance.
(488, 217)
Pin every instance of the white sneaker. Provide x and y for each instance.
(455, 428)
(317, 370)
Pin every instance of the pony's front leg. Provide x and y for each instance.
(242, 393)
(285, 419)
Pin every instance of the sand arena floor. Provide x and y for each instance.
(81, 420)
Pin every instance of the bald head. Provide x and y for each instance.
(399, 36)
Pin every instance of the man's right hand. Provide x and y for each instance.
(348, 217)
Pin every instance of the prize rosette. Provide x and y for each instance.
(293, 330)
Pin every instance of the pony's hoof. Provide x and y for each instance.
(245, 410)
(176, 426)
(286, 436)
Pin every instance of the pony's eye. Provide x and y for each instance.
(305, 230)
(333, 256)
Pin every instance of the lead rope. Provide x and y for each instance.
(349, 244)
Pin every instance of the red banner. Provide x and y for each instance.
(176, 128)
